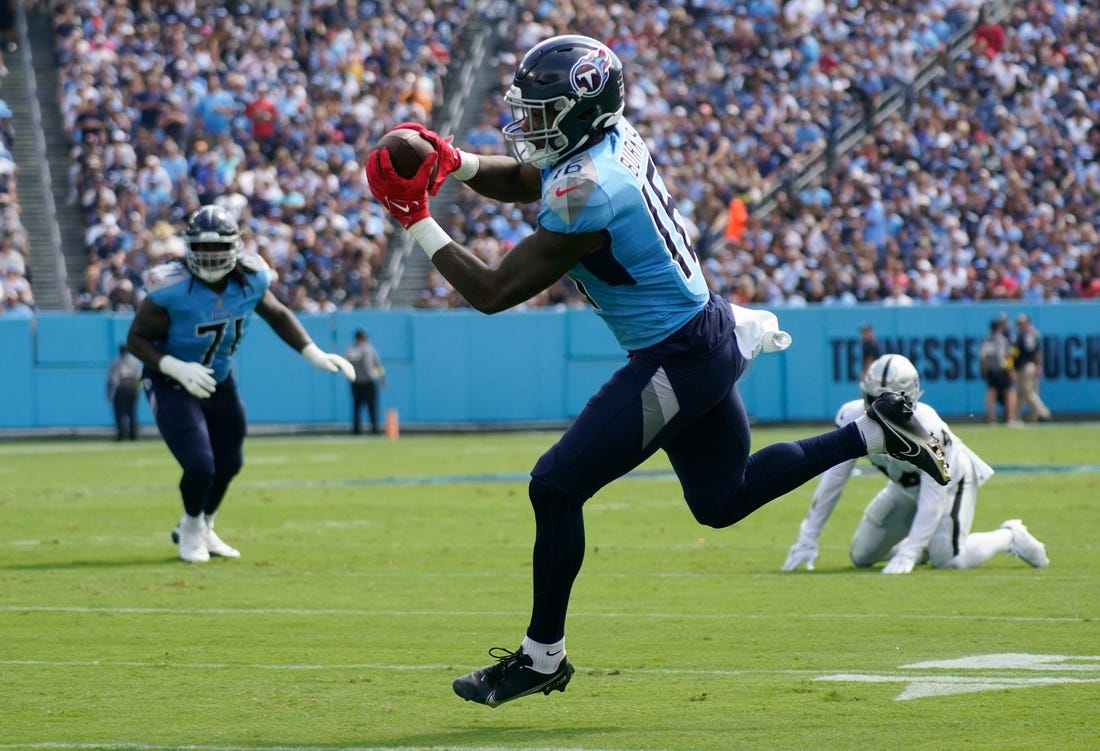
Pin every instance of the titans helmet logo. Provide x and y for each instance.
(589, 74)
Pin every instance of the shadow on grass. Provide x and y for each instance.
(835, 571)
(478, 736)
(90, 565)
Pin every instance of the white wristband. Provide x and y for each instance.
(169, 365)
(469, 166)
(430, 236)
(315, 356)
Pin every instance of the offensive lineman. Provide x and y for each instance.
(911, 517)
(607, 221)
(187, 331)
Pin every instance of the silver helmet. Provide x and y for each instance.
(891, 373)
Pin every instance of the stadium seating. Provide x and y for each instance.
(977, 186)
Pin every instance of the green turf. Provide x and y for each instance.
(375, 571)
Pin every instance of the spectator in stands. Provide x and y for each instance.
(11, 258)
(14, 305)
(722, 95)
(8, 27)
(7, 130)
(216, 109)
(91, 296)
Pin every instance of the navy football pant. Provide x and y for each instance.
(206, 436)
(667, 397)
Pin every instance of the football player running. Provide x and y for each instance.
(186, 331)
(607, 221)
(912, 517)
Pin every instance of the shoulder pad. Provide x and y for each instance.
(573, 192)
(252, 262)
(165, 275)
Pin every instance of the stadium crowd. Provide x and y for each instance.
(173, 105)
(983, 187)
(16, 295)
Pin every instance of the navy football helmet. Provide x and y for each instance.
(566, 92)
(213, 241)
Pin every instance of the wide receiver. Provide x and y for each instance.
(912, 517)
(187, 331)
(607, 221)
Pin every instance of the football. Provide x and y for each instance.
(407, 148)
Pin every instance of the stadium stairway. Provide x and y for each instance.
(41, 258)
(474, 78)
(55, 252)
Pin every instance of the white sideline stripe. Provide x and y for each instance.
(358, 613)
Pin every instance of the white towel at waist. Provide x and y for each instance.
(758, 331)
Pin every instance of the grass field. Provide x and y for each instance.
(375, 571)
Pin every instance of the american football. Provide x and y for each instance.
(407, 148)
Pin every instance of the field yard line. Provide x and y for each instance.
(359, 613)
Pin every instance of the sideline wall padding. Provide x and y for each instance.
(529, 367)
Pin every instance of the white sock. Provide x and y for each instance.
(981, 546)
(191, 524)
(209, 519)
(545, 658)
(873, 436)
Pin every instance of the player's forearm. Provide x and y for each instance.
(478, 284)
(144, 350)
(283, 322)
(502, 178)
(291, 331)
(930, 507)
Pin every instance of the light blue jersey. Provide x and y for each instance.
(207, 326)
(649, 283)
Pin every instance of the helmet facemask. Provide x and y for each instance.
(213, 241)
(534, 136)
(211, 261)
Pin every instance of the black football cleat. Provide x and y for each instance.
(510, 678)
(906, 438)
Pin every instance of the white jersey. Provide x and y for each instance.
(933, 500)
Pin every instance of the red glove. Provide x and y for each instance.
(449, 157)
(406, 200)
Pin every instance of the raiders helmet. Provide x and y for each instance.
(891, 373)
(566, 92)
(213, 240)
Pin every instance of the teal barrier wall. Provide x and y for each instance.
(459, 367)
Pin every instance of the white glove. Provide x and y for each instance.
(902, 563)
(801, 552)
(327, 361)
(195, 377)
